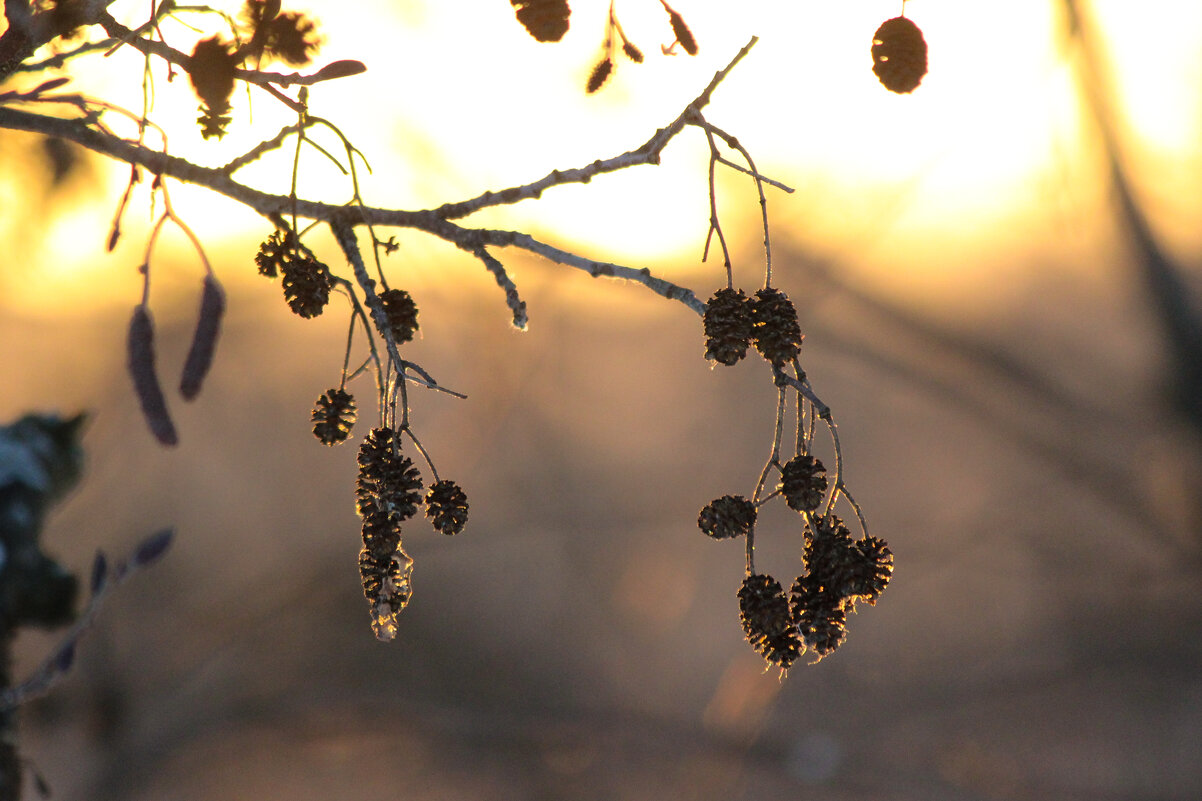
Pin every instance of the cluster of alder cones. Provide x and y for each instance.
(839, 571)
(388, 491)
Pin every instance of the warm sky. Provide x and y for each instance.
(987, 165)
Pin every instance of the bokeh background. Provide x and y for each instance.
(997, 277)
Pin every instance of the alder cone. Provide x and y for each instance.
(212, 70)
(401, 311)
(803, 483)
(728, 328)
(306, 286)
(446, 506)
(819, 616)
(333, 416)
(774, 326)
(874, 569)
(388, 480)
(899, 55)
(727, 517)
(546, 20)
(767, 620)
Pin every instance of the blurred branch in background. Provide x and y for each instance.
(1168, 294)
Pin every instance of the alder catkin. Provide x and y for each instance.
(681, 30)
(140, 360)
(599, 75)
(204, 340)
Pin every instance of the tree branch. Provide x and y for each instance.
(343, 218)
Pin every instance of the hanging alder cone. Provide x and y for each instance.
(334, 416)
(381, 532)
(767, 620)
(273, 252)
(401, 312)
(387, 585)
(727, 517)
(388, 481)
(306, 285)
(728, 329)
(446, 506)
(832, 557)
(212, 70)
(774, 326)
(803, 483)
(899, 55)
(818, 615)
(873, 570)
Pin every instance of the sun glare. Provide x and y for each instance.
(458, 99)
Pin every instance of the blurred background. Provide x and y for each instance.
(997, 278)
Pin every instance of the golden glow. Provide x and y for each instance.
(981, 165)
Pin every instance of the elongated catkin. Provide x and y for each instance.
(140, 360)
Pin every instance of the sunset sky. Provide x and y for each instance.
(987, 166)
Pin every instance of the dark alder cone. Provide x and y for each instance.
(727, 517)
(214, 121)
(764, 613)
(599, 75)
(381, 533)
(387, 585)
(873, 570)
(803, 483)
(446, 506)
(831, 556)
(818, 615)
(401, 312)
(388, 481)
(728, 328)
(273, 252)
(899, 55)
(212, 70)
(546, 20)
(334, 416)
(306, 285)
(289, 36)
(774, 326)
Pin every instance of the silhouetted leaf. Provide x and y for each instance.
(343, 68)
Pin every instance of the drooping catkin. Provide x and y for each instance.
(600, 75)
(681, 30)
(204, 340)
(140, 360)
